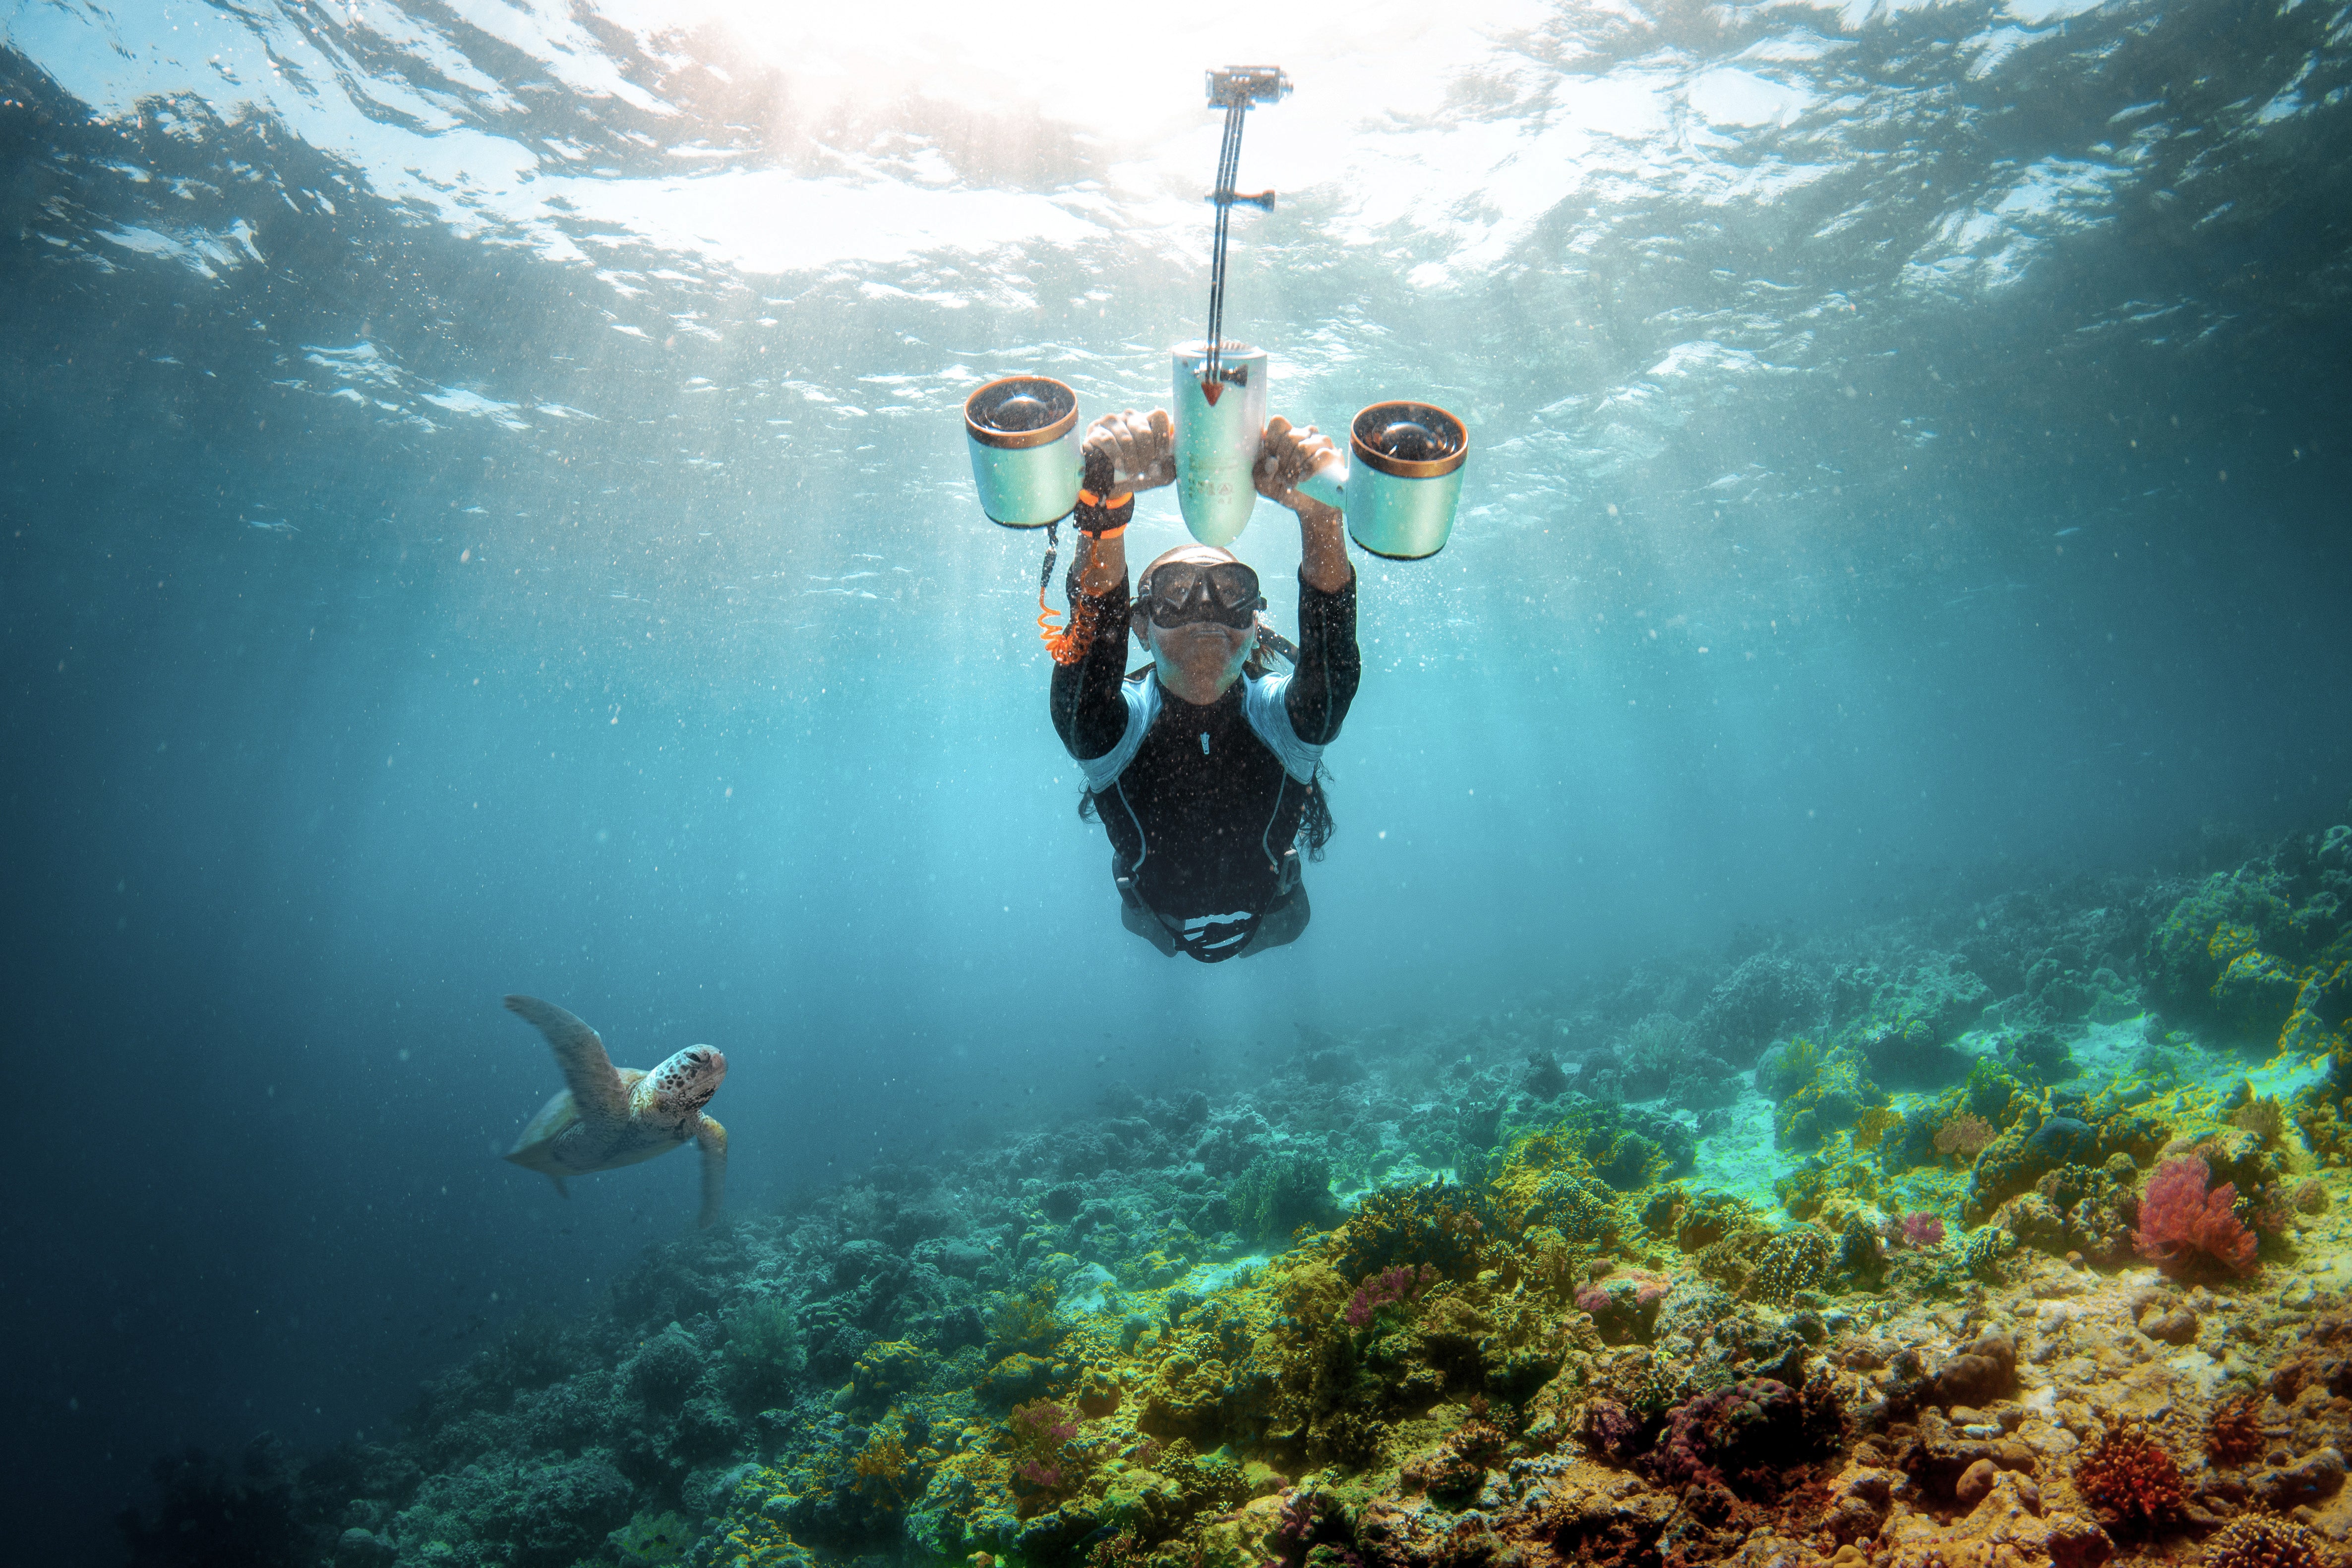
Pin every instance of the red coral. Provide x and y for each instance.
(2182, 1223)
(2129, 1477)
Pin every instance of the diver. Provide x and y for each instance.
(1204, 765)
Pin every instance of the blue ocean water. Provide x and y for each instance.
(485, 511)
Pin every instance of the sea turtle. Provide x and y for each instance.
(610, 1117)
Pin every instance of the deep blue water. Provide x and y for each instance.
(484, 510)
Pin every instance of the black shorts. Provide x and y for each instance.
(1279, 926)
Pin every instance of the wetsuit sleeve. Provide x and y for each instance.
(1089, 713)
(1329, 663)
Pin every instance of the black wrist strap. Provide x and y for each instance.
(1103, 514)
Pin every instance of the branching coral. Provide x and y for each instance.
(765, 1350)
(1439, 1224)
(2261, 1541)
(1400, 1286)
(1608, 1427)
(1746, 1436)
(2129, 1477)
(2185, 1227)
(1046, 1461)
(882, 1466)
(1650, 1052)
(1797, 1259)
(1834, 1098)
(2233, 1433)
(1920, 1231)
(1279, 1194)
(1028, 1321)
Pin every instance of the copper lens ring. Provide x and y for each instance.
(1409, 440)
(1015, 413)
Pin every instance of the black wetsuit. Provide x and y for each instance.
(1204, 817)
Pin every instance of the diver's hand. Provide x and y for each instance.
(1286, 456)
(1141, 447)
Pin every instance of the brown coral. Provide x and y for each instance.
(2233, 1433)
(1965, 1135)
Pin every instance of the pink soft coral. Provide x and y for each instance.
(2179, 1219)
(1923, 1230)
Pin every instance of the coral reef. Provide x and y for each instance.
(1984, 1265)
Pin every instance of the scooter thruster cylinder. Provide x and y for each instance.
(1022, 432)
(1217, 439)
(1400, 482)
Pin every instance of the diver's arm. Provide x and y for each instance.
(1287, 456)
(1089, 713)
(1329, 663)
(1323, 547)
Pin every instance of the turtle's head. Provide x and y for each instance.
(684, 1084)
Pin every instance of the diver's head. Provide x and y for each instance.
(1196, 610)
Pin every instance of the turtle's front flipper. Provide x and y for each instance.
(712, 1141)
(587, 1070)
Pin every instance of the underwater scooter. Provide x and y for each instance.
(1398, 485)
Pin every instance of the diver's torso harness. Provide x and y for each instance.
(1203, 806)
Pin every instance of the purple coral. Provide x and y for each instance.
(1042, 1421)
(1624, 1306)
(1305, 1514)
(1041, 1432)
(1744, 1437)
(1923, 1230)
(1609, 1428)
(1392, 1287)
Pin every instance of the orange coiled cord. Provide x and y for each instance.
(1067, 644)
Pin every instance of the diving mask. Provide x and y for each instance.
(1181, 592)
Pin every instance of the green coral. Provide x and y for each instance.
(1798, 1259)
(1787, 1068)
(1985, 1248)
(887, 1368)
(765, 1352)
(1440, 1224)
(1280, 1195)
(1831, 1099)
(650, 1540)
(1806, 1190)
(2266, 950)
(1024, 1323)
(746, 1533)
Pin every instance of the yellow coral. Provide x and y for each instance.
(883, 1465)
(1872, 1125)
(1533, 1158)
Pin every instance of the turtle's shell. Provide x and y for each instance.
(534, 1150)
